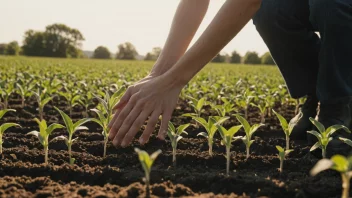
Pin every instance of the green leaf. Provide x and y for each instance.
(154, 155)
(61, 137)
(282, 120)
(332, 129)
(179, 138)
(280, 149)
(319, 126)
(182, 129)
(340, 163)
(202, 122)
(222, 130)
(204, 134)
(100, 114)
(54, 126)
(346, 141)
(5, 126)
(244, 123)
(315, 146)
(171, 127)
(254, 128)
(67, 120)
(98, 122)
(233, 130)
(189, 115)
(102, 102)
(200, 104)
(80, 122)
(46, 100)
(316, 134)
(322, 165)
(3, 112)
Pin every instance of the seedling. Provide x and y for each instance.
(103, 121)
(43, 135)
(147, 163)
(244, 100)
(42, 100)
(197, 106)
(324, 136)
(225, 108)
(175, 136)
(227, 139)
(262, 106)
(281, 155)
(6, 90)
(339, 163)
(71, 129)
(249, 130)
(5, 126)
(210, 128)
(287, 127)
(25, 92)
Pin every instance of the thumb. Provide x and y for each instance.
(166, 117)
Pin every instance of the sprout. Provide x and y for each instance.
(42, 100)
(225, 108)
(71, 129)
(43, 135)
(244, 100)
(197, 106)
(5, 126)
(105, 114)
(211, 129)
(287, 127)
(281, 155)
(147, 163)
(340, 164)
(227, 139)
(175, 136)
(324, 137)
(5, 92)
(25, 91)
(249, 130)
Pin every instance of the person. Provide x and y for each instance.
(312, 66)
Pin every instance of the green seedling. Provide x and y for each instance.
(5, 126)
(286, 127)
(175, 136)
(71, 129)
(262, 106)
(147, 163)
(25, 92)
(340, 164)
(210, 128)
(5, 91)
(197, 106)
(225, 108)
(43, 135)
(281, 155)
(324, 136)
(249, 130)
(42, 99)
(227, 139)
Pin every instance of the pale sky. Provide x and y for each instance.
(144, 23)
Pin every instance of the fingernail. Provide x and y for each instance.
(141, 141)
(123, 144)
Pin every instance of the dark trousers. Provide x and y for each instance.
(309, 64)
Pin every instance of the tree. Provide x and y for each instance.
(235, 57)
(267, 59)
(58, 40)
(219, 59)
(154, 54)
(102, 52)
(126, 51)
(13, 48)
(3, 48)
(251, 58)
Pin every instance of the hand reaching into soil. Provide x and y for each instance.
(152, 96)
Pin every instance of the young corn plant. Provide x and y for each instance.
(244, 100)
(175, 135)
(25, 91)
(105, 114)
(281, 155)
(72, 99)
(210, 128)
(286, 127)
(42, 99)
(71, 129)
(262, 106)
(43, 135)
(224, 109)
(227, 139)
(147, 163)
(197, 106)
(324, 136)
(5, 126)
(249, 130)
(6, 90)
(340, 164)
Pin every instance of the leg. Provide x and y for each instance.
(333, 19)
(285, 27)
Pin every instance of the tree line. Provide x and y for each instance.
(60, 40)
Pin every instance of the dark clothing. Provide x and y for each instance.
(310, 64)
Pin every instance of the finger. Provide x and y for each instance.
(135, 127)
(124, 99)
(126, 125)
(113, 120)
(153, 120)
(164, 124)
(119, 120)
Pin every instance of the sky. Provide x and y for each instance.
(144, 23)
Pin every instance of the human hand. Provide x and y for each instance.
(152, 96)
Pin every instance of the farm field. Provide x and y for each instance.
(218, 90)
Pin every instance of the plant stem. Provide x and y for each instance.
(69, 153)
(323, 152)
(210, 144)
(281, 165)
(6, 103)
(46, 149)
(262, 118)
(174, 156)
(345, 185)
(22, 102)
(246, 113)
(41, 113)
(247, 150)
(228, 156)
(105, 144)
(147, 184)
(287, 142)
(0, 148)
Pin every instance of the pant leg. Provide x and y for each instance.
(285, 27)
(333, 19)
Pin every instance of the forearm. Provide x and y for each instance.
(231, 18)
(187, 19)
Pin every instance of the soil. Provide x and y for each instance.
(23, 174)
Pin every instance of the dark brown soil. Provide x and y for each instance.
(22, 173)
